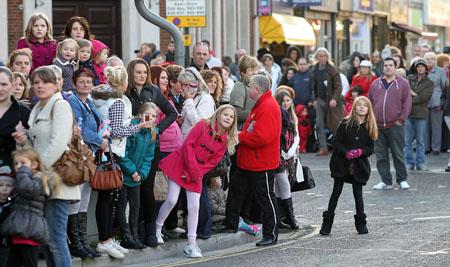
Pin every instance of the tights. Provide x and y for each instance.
(193, 204)
(282, 185)
(337, 190)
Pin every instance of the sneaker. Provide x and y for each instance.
(117, 246)
(410, 167)
(404, 185)
(193, 251)
(448, 169)
(178, 230)
(159, 238)
(421, 168)
(110, 250)
(381, 186)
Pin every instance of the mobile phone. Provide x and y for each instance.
(146, 118)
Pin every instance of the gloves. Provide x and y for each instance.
(353, 154)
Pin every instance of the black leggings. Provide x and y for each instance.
(337, 190)
(148, 204)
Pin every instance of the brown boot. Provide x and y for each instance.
(322, 152)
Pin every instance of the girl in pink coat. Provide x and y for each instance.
(201, 151)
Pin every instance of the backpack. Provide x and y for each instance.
(76, 165)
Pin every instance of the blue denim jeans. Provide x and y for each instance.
(204, 214)
(391, 139)
(415, 128)
(56, 214)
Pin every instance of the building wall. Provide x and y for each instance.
(15, 23)
(3, 31)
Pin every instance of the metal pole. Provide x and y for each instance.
(166, 25)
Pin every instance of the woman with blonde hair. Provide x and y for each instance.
(113, 105)
(214, 82)
(353, 144)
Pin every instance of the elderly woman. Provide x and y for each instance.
(11, 113)
(113, 105)
(140, 90)
(50, 132)
(88, 120)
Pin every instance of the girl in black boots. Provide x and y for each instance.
(353, 144)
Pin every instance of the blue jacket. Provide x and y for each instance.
(301, 83)
(138, 155)
(85, 118)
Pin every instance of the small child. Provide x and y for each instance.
(26, 224)
(86, 58)
(100, 55)
(6, 188)
(135, 166)
(354, 92)
(353, 144)
(304, 126)
(218, 199)
(38, 37)
(67, 58)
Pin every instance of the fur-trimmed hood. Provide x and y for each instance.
(105, 92)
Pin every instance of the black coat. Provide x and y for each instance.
(26, 219)
(348, 137)
(16, 112)
(151, 93)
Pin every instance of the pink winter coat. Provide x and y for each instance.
(42, 53)
(171, 139)
(199, 153)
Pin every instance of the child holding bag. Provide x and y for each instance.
(135, 166)
(353, 144)
(201, 151)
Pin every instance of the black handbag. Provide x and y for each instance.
(308, 180)
(222, 168)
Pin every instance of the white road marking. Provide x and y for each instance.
(348, 211)
(367, 192)
(399, 208)
(430, 218)
(371, 204)
(442, 186)
(310, 194)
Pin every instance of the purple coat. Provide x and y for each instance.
(43, 53)
(392, 104)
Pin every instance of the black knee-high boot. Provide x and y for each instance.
(75, 246)
(282, 222)
(286, 205)
(327, 223)
(361, 223)
(82, 227)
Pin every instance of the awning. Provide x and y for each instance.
(280, 28)
(406, 28)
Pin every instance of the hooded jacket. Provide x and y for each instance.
(391, 104)
(97, 47)
(424, 90)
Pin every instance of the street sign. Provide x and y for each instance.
(187, 38)
(186, 13)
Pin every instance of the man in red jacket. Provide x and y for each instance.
(258, 157)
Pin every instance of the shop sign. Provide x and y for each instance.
(437, 12)
(329, 6)
(415, 18)
(399, 11)
(381, 6)
(365, 5)
(291, 3)
(186, 13)
(264, 7)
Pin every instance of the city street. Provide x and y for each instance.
(406, 227)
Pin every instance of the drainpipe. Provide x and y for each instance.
(166, 25)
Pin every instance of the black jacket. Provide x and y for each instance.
(179, 103)
(16, 112)
(348, 137)
(151, 93)
(26, 219)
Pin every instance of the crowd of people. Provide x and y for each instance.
(168, 127)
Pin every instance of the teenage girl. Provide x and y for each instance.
(135, 166)
(353, 144)
(38, 37)
(289, 146)
(67, 58)
(26, 223)
(201, 151)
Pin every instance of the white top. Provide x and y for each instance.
(201, 107)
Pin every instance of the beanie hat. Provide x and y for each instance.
(420, 62)
(6, 174)
(97, 46)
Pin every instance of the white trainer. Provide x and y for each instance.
(178, 230)
(110, 250)
(192, 251)
(117, 246)
(381, 186)
(404, 185)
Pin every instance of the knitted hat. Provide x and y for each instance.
(420, 62)
(366, 63)
(97, 46)
(286, 89)
(6, 174)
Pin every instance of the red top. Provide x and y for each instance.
(42, 53)
(22, 241)
(361, 81)
(199, 154)
(259, 140)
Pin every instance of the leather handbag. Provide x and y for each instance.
(108, 175)
(76, 164)
(299, 184)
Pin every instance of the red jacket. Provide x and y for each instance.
(199, 154)
(42, 53)
(259, 140)
(304, 124)
(361, 81)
